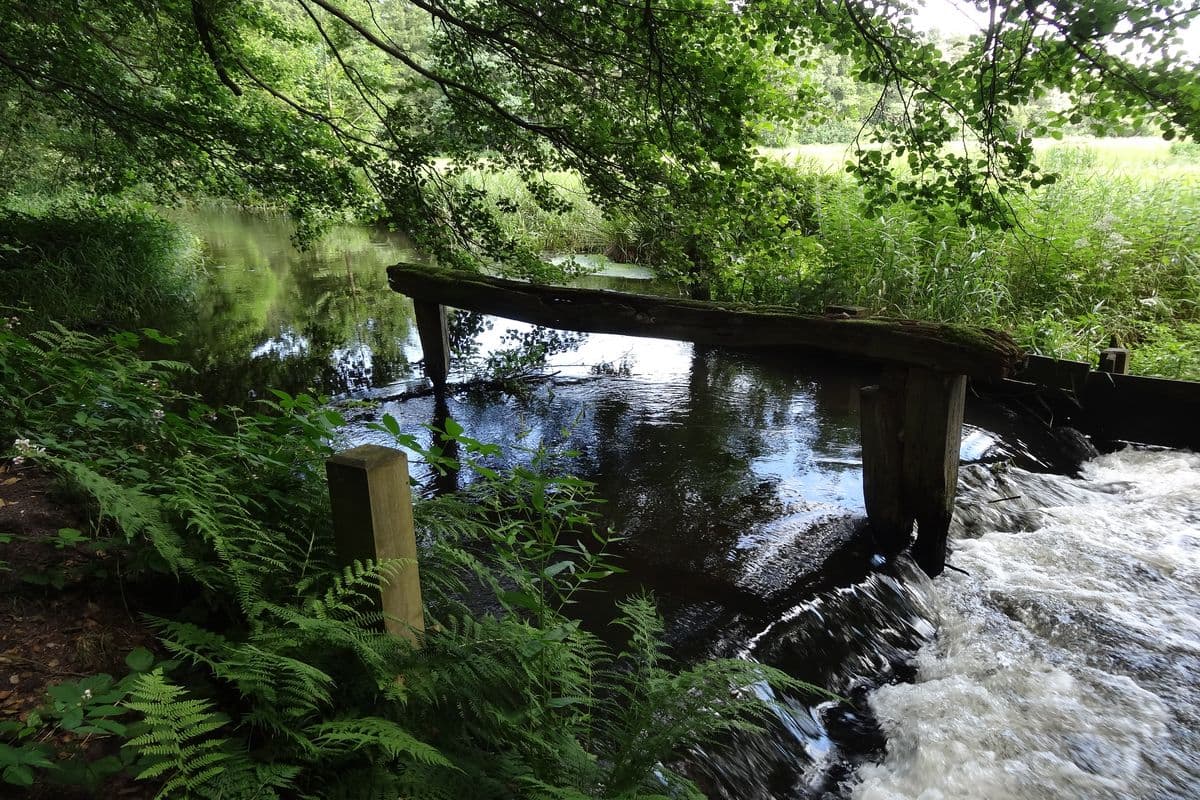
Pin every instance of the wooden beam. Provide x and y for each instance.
(978, 352)
(881, 415)
(933, 414)
(434, 333)
(373, 519)
(1134, 408)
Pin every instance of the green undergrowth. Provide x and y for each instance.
(1111, 249)
(86, 261)
(1099, 255)
(273, 677)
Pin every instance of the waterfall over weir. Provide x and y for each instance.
(1063, 662)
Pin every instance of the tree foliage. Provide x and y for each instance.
(659, 105)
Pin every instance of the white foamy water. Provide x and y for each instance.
(1067, 663)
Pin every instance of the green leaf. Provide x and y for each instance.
(554, 569)
(140, 660)
(520, 599)
(19, 775)
(391, 425)
(453, 429)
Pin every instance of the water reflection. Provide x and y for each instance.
(268, 315)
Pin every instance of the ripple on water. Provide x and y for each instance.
(1066, 664)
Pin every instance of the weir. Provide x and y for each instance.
(911, 421)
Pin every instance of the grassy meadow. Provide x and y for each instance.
(1112, 249)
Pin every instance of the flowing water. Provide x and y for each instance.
(1067, 660)
(1062, 664)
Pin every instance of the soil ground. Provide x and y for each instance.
(63, 614)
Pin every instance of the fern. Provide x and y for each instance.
(341, 736)
(260, 669)
(294, 689)
(136, 513)
(181, 751)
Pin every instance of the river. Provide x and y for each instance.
(1061, 662)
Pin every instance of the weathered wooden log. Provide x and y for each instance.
(434, 333)
(977, 352)
(846, 311)
(881, 416)
(933, 415)
(372, 519)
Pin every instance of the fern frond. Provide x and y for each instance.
(290, 687)
(180, 747)
(136, 513)
(357, 733)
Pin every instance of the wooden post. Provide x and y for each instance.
(1114, 359)
(435, 340)
(372, 519)
(882, 419)
(933, 414)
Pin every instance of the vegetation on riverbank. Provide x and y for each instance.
(271, 675)
(93, 261)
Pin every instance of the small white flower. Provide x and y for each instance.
(23, 445)
(158, 413)
(87, 694)
(18, 461)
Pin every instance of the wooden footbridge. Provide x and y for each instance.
(911, 419)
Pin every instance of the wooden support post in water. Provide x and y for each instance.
(882, 418)
(372, 519)
(435, 340)
(933, 414)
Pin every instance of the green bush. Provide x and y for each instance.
(90, 262)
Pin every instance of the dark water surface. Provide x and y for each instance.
(736, 478)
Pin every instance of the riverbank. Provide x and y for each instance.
(66, 627)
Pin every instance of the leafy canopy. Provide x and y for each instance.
(660, 106)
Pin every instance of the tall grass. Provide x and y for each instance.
(1101, 253)
(92, 262)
